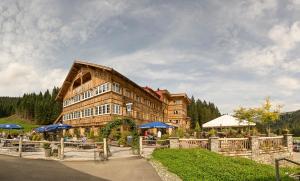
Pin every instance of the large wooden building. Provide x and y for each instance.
(93, 95)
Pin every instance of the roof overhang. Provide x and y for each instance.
(76, 67)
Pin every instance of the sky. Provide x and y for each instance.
(232, 53)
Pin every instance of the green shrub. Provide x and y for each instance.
(178, 133)
(91, 134)
(122, 141)
(164, 137)
(212, 132)
(46, 145)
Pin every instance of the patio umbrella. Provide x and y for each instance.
(57, 127)
(52, 128)
(40, 129)
(10, 126)
(155, 125)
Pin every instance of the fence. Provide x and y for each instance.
(70, 150)
(146, 145)
(263, 149)
(234, 145)
(271, 143)
(193, 143)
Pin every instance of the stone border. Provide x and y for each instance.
(163, 172)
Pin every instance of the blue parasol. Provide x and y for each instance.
(52, 128)
(155, 125)
(57, 127)
(10, 126)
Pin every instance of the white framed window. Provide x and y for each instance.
(116, 109)
(107, 108)
(102, 88)
(116, 87)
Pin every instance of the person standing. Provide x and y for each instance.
(159, 134)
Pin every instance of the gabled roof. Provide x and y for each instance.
(151, 91)
(226, 121)
(74, 70)
(182, 95)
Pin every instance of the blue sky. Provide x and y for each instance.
(233, 53)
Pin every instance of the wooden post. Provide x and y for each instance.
(141, 145)
(20, 146)
(61, 148)
(105, 148)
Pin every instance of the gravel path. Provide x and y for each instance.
(163, 172)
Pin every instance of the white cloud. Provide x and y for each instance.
(288, 83)
(233, 53)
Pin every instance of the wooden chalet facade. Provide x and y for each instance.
(93, 95)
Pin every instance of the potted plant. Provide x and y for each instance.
(47, 149)
(285, 131)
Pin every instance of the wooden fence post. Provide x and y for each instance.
(20, 145)
(62, 148)
(105, 148)
(141, 145)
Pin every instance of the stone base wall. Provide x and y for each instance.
(269, 158)
(240, 147)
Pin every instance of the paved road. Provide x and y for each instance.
(133, 169)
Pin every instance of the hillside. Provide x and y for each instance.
(290, 120)
(14, 119)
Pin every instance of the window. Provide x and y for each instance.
(128, 107)
(176, 112)
(177, 101)
(138, 98)
(116, 87)
(116, 109)
(87, 94)
(102, 109)
(102, 88)
(76, 83)
(87, 112)
(86, 77)
(107, 107)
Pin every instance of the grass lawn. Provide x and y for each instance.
(15, 120)
(196, 164)
(296, 138)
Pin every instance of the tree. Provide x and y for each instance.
(200, 112)
(197, 128)
(267, 115)
(247, 114)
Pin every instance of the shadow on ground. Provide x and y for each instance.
(16, 169)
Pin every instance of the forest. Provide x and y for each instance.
(39, 108)
(202, 111)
